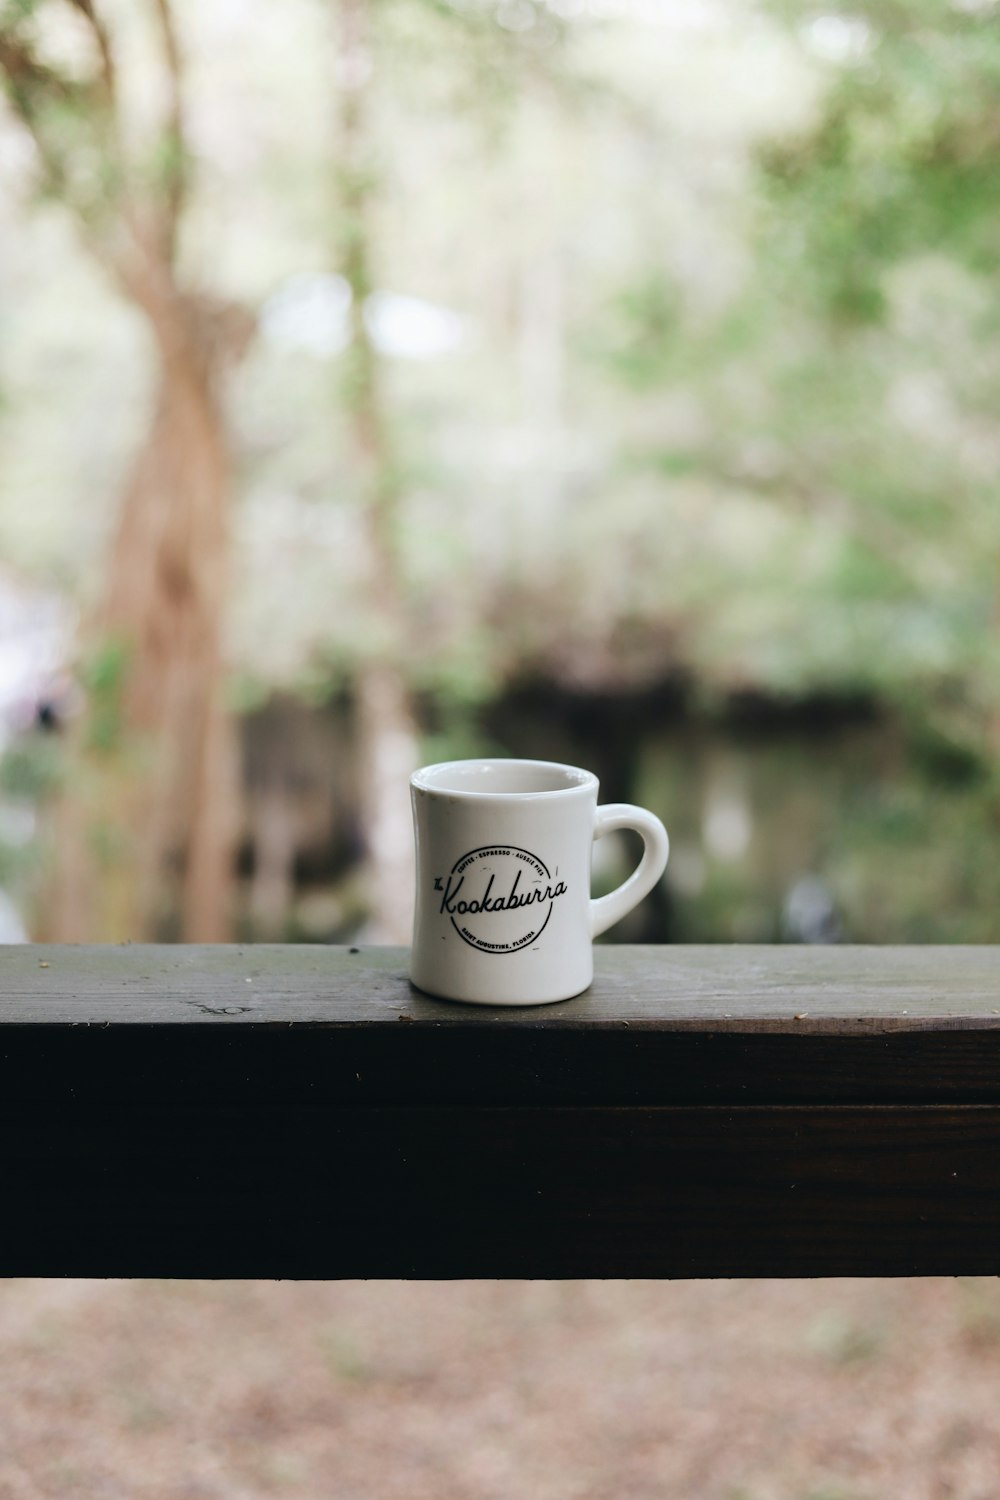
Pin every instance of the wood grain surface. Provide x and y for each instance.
(819, 988)
(302, 1112)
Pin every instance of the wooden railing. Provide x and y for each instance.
(302, 1112)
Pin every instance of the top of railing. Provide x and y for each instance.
(834, 989)
(302, 1111)
(664, 1025)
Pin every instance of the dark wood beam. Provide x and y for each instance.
(302, 1112)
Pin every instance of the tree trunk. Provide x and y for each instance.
(389, 754)
(273, 888)
(386, 718)
(147, 828)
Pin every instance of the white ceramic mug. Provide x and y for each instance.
(504, 914)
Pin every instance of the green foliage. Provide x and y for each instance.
(104, 676)
(644, 345)
(903, 157)
(65, 106)
(832, 407)
(473, 57)
(767, 472)
(722, 403)
(30, 767)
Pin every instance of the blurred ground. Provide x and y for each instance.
(828, 1390)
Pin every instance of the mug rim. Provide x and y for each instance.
(579, 780)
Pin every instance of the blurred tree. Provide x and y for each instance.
(387, 723)
(901, 156)
(882, 232)
(145, 825)
(827, 444)
(499, 51)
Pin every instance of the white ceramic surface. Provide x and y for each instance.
(504, 914)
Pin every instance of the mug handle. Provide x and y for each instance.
(605, 911)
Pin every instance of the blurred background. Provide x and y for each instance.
(610, 381)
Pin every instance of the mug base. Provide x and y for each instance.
(519, 1001)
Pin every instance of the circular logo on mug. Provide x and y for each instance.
(499, 897)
